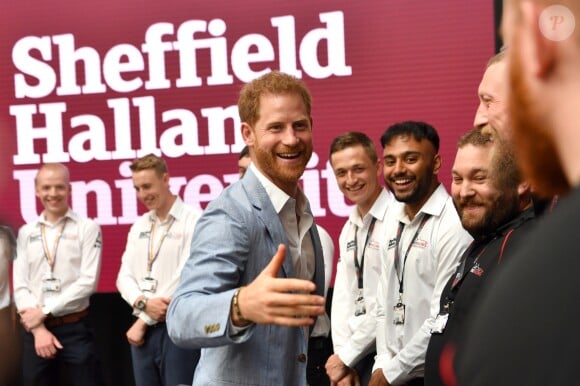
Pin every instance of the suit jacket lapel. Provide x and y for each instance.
(319, 260)
(266, 213)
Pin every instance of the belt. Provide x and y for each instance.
(54, 321)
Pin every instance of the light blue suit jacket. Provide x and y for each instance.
(233, 241)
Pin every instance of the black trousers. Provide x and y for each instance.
(364, 368)
(77, 361)
(319, 350)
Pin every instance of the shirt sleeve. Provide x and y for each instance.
(199, 313)
(23, 297)
(127, 283)
(383, 355)
(339, 321)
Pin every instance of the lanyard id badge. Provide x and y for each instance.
(359, 299)
(440, 323)
(399, 311)
(148, 284)
(50, 284)
(399, 308)
(359, 303)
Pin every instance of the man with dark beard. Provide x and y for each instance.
(495, 207)
(525, 331)
(423, 241)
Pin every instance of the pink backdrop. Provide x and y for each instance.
(95, 84)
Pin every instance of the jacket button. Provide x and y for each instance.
(302, 357)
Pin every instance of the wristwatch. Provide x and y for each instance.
(141, 303)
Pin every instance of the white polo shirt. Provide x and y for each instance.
(432, 259)
(171, 243)
(353, 336)
(74, 243)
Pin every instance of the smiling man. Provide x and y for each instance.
(158, 245)
(492, 92)
(495, 207)
(253, 285)
(423, 243)
(55, 273)
(525, 330)
(357, 168)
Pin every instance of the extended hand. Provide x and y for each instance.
(282, 301)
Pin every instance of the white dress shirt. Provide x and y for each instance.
(74, 243)
(296, 222)
(171, 243)
(431, 260)
(353, 336)
(290, 210)
(322, 325)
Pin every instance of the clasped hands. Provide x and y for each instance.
(156, 309)
(46, 344)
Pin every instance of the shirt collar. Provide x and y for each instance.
(433, 206)
(277, 195)
(70, 215)
(377, 210)
(175, 212)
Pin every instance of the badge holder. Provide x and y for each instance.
(440, 323)
(359, 303)
(399, 312)
(50, 284)
(148, 284)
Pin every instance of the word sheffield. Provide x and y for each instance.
(49, 64)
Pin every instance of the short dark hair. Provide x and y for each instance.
(419, 130)
(351, 139)
(244, 153)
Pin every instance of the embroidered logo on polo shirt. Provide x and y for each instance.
(34, 238)
(421, 243)
(144, 235)
(350, 245)
(98, 241)
(477, 270)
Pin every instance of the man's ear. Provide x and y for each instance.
(524, 188)
(247, 134)
(436, 164)
(542, 51)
